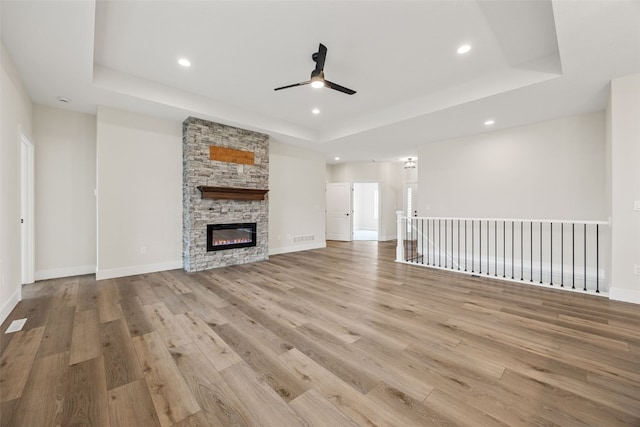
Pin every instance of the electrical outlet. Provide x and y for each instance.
(636, 269)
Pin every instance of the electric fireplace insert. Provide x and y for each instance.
(231, 236)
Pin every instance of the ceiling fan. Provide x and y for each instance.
(317, 79)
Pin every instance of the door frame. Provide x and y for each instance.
(27, 165)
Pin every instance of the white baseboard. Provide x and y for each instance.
(625, 295)
(386, 238)
(298, 248)
(56, 273)
(137, 269)
(10, 304)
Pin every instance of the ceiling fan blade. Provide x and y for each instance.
(293, 85)
(339, 88)
(319, 57)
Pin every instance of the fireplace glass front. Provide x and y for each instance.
(231, 236)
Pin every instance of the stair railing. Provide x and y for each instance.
(559, 253)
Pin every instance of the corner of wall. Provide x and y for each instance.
(15, 117)
(10, 304)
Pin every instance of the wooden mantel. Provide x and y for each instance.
(226, 193)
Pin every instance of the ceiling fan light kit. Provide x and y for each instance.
(317, 79)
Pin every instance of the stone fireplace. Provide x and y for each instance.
(225, 205)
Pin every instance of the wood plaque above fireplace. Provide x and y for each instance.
(225, 154)
(226, 193)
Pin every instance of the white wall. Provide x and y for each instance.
(65, 180)
(139, 181)
(139, 185)
(554, 169)
(296, 198)
(15, 111)
(625, 187)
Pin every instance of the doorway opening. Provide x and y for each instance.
(366, 211)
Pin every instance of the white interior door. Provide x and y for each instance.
(411, 199)
(339, 211)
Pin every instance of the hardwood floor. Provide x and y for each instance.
(341, 336)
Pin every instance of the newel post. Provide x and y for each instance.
(400, 246)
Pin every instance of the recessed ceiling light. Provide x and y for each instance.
(184, 62)
(336, 158)
(489, 122)
(63, 99)
(465, 48)
(315, 111)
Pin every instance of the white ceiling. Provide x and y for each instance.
(530, 61)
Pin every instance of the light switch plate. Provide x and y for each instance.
(636, 205)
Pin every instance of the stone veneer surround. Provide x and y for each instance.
(198, 169)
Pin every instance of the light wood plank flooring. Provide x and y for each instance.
(341, 336)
